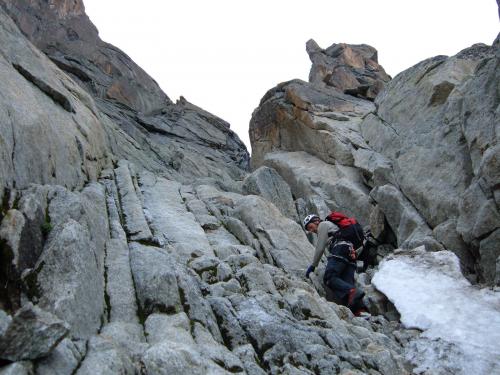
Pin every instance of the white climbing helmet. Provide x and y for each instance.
(310, 218)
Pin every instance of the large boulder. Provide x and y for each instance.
(283, 238)
(67, 280)
(301, 116)
(352, 69)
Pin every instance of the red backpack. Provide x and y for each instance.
(340, 220)
(349, 229)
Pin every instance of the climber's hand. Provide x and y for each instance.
(309, 270)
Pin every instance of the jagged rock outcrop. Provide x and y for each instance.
(351, 69)
(424, 156)
(63, 31)
(140, 121)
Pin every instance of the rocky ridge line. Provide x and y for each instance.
(417, 164)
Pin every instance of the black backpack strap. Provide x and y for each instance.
(343, 250)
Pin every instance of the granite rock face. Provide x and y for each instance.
(442, 140)
(41, 103)
(267, 183)
(425, 156)
(134, 240)
(209, 303)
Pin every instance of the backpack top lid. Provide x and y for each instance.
(341, 220)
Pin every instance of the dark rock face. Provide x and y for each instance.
(62, 30)
(352, 69)
(32, 333)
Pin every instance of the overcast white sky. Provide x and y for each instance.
(223, 55)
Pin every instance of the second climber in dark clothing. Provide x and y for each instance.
(341, 266)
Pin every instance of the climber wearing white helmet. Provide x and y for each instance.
(341, 266)
(324, 229)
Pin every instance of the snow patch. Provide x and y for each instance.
(460, 323)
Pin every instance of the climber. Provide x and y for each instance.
(341, 266)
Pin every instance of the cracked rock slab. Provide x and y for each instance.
(155, 281)
(135, 222)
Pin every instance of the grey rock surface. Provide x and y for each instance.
(104, 357)
(5, 320)
(135, 223)
(18, 368)
(410, 228)
(326, 187)
(63, 360)
(171, 221)
(163, 327)
(127, 337)
(267, 183)
(489, 252)
(119, 283)
(154, 275)
(444, 130)
(168, 358)
(40, 102)
(283, 238)
(32, 333)
(67, 280)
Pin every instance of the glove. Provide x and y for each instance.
(309, 270)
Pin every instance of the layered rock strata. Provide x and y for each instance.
(114, 107)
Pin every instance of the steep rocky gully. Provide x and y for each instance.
(136, 238)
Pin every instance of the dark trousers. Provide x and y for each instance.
(339, 276)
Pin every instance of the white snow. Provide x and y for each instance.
(460, 322)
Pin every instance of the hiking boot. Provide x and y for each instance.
(351, 296)
(354, 296)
